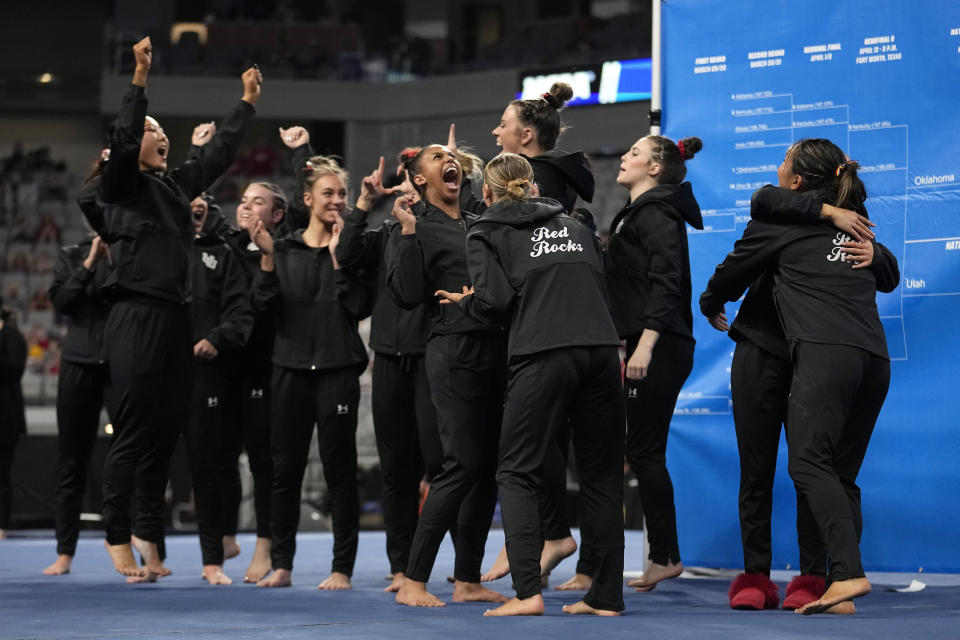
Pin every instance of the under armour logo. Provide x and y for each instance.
(343, 409)
(632, 392)
(213, 401)
(209, 260)
(256, 393)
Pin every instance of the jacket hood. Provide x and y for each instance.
(215, 227)
(521, 213)
(678, 196)
(573, 167)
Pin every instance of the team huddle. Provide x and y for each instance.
(497, 319)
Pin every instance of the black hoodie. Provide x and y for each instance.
(648, 262)
(316, 308)
(394, 330)
(220, 310)
(531, 263)
(432, 258)
(563, 177)
(146, 218)
(819, 297)
(757, 319)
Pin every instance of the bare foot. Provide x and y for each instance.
(122, 557)
(837, 593)
(579, 582)
(846, 608)
(500, 568)
(475, 592)
(532, 606)
(583, 607)
(145, 575)
(231, 548)
(396, 582)
(415, 594)
(336, 582)
(3, 534)
(260, 563)
(279, 578)
(213, 573)
(654, 574)
(554, 552)
(151, 557)
(61, 567)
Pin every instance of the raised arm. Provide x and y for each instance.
(121, 174)
(359, 248)
(297, 141)
(406, 278)
(70, 278)
(213, 158)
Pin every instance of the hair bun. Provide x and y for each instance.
(690, 147)
(560, 93)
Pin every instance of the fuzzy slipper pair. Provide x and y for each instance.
(755, 591)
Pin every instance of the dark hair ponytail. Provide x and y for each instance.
(672, 157)
(822, 165)
(543, 114)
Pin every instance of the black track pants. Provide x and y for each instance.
(650, 403)
(246, 415)
(760, 386)
(205, 443)
(542, 389)
(7, 448)
(835, 397)
(467, 377)
(150, 357)
(302, 399)
(403, 414)
(80, 395)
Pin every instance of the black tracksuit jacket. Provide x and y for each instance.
(259, 348)
(315, 308)
(819, 297)
(648, 262)
(520, 256)
(394, 330)
(432, 258)
(757, 318)
(75, 293)
(146, 218)
(220, 310)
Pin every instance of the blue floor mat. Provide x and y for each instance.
(94, 602)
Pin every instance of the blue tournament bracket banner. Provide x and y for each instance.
(881, 80)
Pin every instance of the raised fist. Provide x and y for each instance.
(294, 136)
(252, 79)
(143, 53)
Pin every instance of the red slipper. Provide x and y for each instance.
(803, 590)
(753, 591)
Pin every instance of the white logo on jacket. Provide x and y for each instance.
(213, 401)
(541, 242)
(256, 393)
(837, 252)
(343, 409)
(209, 260)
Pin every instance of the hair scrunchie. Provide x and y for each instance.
(551, 100)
